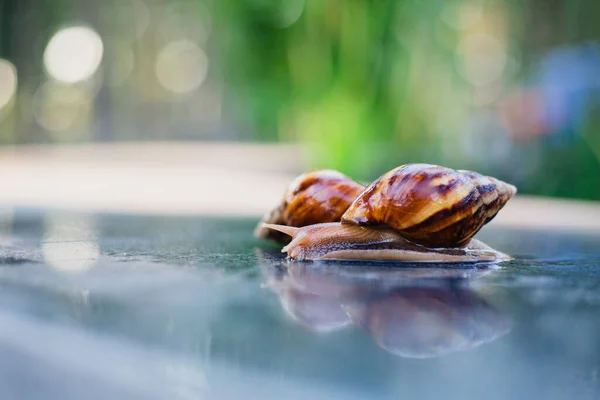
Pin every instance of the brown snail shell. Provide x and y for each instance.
(494, 192)
(337, 241)
(430, 205)
(312, 198)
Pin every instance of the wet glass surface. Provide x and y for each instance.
(112, 306)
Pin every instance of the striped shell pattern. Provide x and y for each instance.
(429, 204)
(312, 198)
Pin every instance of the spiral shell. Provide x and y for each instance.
(312, 198)
(430, 205)
(495, 193)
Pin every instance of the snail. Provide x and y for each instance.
(415, 212)
(430, 205)
(312, 198)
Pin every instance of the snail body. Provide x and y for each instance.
(415, 212)
(337, 241)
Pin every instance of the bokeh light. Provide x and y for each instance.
(73, 54)
(8, 82)
(70, 244)
(482, 59)
(290, 11)
(181, 66)
(57, 106)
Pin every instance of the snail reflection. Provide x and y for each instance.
(410, 312)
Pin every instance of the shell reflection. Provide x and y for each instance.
(410, 312)
(428, 322)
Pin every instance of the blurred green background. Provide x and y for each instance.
(509, 88)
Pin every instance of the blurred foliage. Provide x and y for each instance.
(337, 78)
(373, 84)
(506, 87)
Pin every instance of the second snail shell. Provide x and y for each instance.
(312, 198)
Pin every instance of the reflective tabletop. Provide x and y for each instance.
(101, 306)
